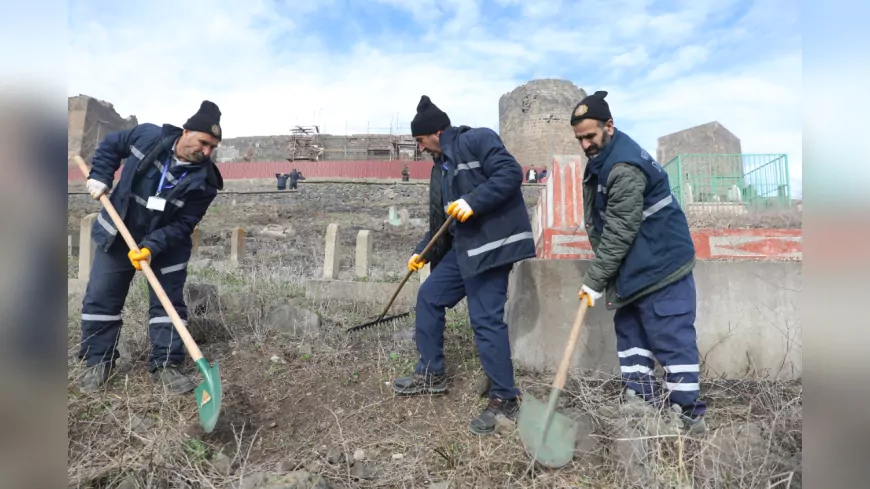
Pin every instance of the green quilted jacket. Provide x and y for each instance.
(625, 188)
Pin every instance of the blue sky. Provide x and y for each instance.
(353, 65)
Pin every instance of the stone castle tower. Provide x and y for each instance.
(90, 120)
(533, 120)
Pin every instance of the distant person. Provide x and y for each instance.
(543, 174)
(477, 181)
(295, 176)
(644, 258)
(282, 180)
(167, 184)
(531, 176)
(405, 175)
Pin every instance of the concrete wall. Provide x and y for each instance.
(748, 319)
(534, 120)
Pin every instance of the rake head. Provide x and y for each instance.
(376, 322)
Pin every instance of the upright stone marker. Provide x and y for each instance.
(424, 272)
(86, 246)
(194, 239)
(363, 253)
(237, 246)
(393, 217)
(72, 244)
(404, 217)
(332, 256)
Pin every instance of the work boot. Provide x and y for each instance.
(632, 404)
(486, 422)
(632, 397)
(95, 377)
(173, 380)
(419, 384)
(693, 425)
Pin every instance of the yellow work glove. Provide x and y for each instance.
(416, 263)
(460, 210)
(137, 256)
(590, 295)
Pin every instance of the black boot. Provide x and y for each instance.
(486, 422)
(172, 380)
(420, 384)
(96, 377)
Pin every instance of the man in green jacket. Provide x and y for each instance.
(644, 259)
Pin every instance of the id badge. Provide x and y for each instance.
(156, 203)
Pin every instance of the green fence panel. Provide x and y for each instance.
(758, 181)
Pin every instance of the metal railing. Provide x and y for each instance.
(730, 183)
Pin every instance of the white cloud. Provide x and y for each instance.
(686, 58)
(270, 68)
(637, 57)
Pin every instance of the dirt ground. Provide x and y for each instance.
(315, 409)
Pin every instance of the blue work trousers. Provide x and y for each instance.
(487, 293)
(104, 299)
(661, 326)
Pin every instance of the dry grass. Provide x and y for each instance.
(285, 410)
(770, 219)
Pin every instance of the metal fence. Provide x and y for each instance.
(731, 183)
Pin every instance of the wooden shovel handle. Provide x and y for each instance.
(429, 245)
(191, 346)
(562, 373)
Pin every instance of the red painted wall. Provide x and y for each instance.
(315, 169)
(733, 244)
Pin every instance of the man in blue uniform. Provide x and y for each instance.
(477, 181)
(167, 183)
(295, 176)
(282, 180)
(644, 258)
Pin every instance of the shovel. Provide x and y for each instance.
(550, 436)
(381, 319)
(208, 392)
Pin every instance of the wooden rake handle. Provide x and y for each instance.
(423, 253)
(562, 373)
(191, 346)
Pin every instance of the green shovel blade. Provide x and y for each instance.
(208, 395)
(557, 449)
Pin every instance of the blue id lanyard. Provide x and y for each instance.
(163, 177)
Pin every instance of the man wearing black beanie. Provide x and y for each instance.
(166, 185)
(644, 258)
(476, 181)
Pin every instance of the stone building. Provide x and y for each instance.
(534, 120)
(711, 161)
(709, 138)
(89, 121)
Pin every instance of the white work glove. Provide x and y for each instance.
(460, 210)
(590, 295)
(96, 188)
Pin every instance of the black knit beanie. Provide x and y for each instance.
(207, 119)
(592, 107)
(429, 119)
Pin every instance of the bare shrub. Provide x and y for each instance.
(309, 404)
